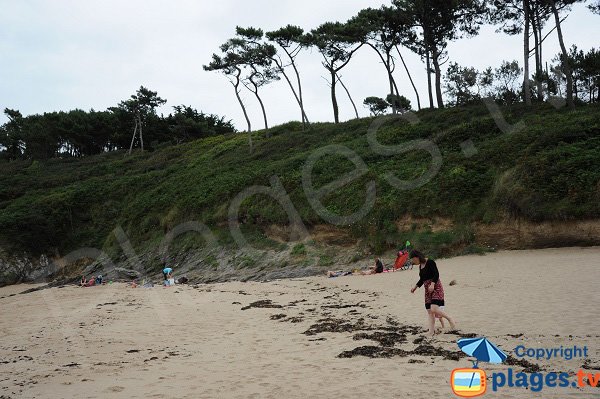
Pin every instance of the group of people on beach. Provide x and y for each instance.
(429, 278)
(167, 280)
(94, 280)
(377, 268)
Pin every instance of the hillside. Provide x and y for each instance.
(546, 171)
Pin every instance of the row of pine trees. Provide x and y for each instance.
(254, 58)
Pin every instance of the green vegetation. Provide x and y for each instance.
(78, 133)
(298, 250)
(547, 170)
(325, 260)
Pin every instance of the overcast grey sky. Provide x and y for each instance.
(66, 54)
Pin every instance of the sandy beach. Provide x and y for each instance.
(300, 338)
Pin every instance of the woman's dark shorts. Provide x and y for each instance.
(437, 302)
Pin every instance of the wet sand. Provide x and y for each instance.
(348, 337)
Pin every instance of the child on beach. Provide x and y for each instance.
(167, 274)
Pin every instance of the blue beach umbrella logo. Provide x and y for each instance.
(482, 350)
(471, 382)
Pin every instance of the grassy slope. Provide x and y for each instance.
(550, 169)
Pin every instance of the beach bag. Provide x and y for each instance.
(182, 280)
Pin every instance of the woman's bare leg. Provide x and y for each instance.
(435, 309)
(431, 317)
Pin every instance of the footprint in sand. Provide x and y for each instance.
(116, 389)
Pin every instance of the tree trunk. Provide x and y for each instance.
(141, 135)
(388, 68)
(298, 99)
(336, 116)
(533, 13)
(262, 107)
(255, 92)
(526, 90)
(134, 134)
(333, 70)
(392, 82)
(565, 57)
(392, 91)
(237, 95)
(305, 118)
(540, 60)
(438, 78)
(396, 87)
(305, 121)
(410, 78)
(429, 90)
(349, 96)
(387, 64)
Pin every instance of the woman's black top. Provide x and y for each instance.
(429, 272)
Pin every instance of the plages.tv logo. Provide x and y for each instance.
(471, 382)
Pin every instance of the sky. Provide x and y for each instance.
(65, 54)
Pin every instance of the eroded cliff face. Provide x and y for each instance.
(327, 248)
(519, 234)
(199, 265)
(17, 268)
(511, 233)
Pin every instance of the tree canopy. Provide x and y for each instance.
(79, 133)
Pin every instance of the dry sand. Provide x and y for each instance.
(186, 342)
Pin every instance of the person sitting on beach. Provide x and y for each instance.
(375, 269)
(87, 283)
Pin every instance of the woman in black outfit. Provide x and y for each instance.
(429, 276)
(376, 269)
